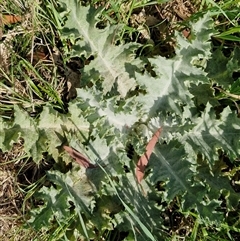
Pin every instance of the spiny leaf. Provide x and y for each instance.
(97, 108)
(44, 214)
(203, 94)
(73, 193)
(210, 134)
(170, 164)
(220, 68)
(168, 91)
(114, 64)
(45, 134)
(101, 122)
(217, 184)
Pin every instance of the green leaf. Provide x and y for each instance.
(200, 189)
(218, 185)
(64, 200)
(221, 68)
(114, 64)
(119, 117)
(235, 87)
(203, 94)
(43, 216)
(211, 134)
(168, 91)
(45, 134)
(169, 163)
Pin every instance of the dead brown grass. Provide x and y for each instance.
(11, 196)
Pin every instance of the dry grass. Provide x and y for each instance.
(11, 196)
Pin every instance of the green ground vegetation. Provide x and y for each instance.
(103, 77)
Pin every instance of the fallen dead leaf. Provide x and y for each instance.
(143, 160)
(79, 158)
(11, 19)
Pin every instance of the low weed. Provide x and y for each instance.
(102, 77)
